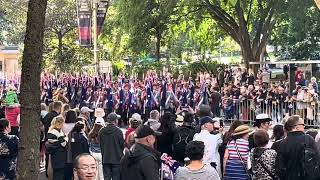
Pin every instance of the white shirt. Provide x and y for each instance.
(211, 145)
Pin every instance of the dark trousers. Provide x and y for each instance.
(14, 130)
(111, 171)
(68, 171)
(216, 111)
(58, 174)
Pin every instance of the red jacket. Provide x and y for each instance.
(11, 114)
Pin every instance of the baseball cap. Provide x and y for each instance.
(85, 109)
(206, 119)
(100, 121)
(136, 117)
(144, 131)
(113, 117)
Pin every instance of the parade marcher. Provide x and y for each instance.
(263, 121)
(95, 149)
(211, 142)
(85, 167)
(298, 157)
(8, 151)
(182, 136)
(196, 169)
(56, 148)
(262, 158)
(111, 136)
(236, 155)
(142, 161)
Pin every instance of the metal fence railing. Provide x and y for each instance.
(246, 110)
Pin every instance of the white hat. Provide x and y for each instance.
(263, 116)
(85, 109)
(99, 112)
(136, 117)
(179, 120)
(100, 121)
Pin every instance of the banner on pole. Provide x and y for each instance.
(101, 14)
(84, 22)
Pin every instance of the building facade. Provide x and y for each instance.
(9, 61)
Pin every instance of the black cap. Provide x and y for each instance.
(144, 131)
(205, 120)
(113, 117)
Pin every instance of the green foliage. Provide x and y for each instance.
(117, 67)
(146, 22)
(298, 32)
(113, 38)
(13, 19)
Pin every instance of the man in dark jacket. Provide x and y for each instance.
(142, 161)
(291, 151)
(112, 145)
(215, 102)
(56, 110)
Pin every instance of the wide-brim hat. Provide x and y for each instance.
(99, 112)
(261, 118)
(179, 120)
(242, 129)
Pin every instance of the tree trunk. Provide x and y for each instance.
(158, 44)
(28, 157)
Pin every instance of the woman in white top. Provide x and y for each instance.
(71, 119)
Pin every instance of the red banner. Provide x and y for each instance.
(101, 14)
(84, 22)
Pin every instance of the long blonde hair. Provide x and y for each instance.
(56, 121)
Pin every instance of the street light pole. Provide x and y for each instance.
(95, 38)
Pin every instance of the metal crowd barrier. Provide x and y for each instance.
(246, 110)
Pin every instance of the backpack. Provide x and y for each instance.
(128, 165)
(181, 138)
(130, 139)
(310, 163)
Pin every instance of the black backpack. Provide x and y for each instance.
(128, 165)
(310, 163)
(181, 138)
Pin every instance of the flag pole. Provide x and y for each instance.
(95, 36)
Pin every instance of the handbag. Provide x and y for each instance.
(243, 163)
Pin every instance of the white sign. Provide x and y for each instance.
(105, 67)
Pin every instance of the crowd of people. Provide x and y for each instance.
(165, 128)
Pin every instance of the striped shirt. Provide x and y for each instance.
(242, 146)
